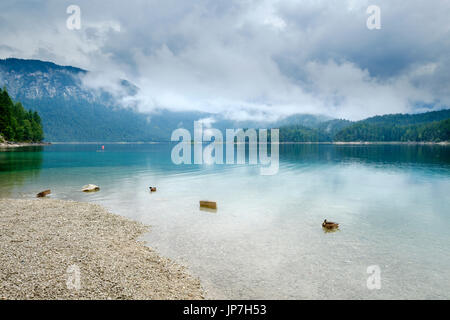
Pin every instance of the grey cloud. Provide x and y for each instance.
(249, 59)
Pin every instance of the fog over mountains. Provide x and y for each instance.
(76, 107)
(73, 110)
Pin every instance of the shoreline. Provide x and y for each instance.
(23, 144)
(45, 242)
(107, 142)
(443, 143)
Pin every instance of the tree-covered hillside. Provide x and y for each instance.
(297, 133)
(17, 123)
(73, 111)
(409, 119)
(430, 126)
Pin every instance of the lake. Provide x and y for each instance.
(265, 241)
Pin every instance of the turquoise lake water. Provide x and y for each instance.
(265, 240)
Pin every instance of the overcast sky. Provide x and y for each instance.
(248, 59)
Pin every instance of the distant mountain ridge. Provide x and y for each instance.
(71, 112)
(408, 119)
(433, 126)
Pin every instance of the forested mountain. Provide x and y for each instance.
(332, 127)
(429, 126)
(408, 119)
(72, 112)
(297, 133)
(18, 124)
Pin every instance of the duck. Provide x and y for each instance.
(152, 189)
(330, 225)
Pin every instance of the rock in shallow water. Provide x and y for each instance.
(208, 204)
(43, 193)
(90, 188)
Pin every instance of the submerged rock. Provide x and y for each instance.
(208, 204)
(43, 193)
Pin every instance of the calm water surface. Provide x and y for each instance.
(265, 240)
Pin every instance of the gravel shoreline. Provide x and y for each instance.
(6, 145)
(45, 244)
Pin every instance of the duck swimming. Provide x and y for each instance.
(330, 225)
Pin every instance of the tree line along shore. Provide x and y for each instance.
(16, 123)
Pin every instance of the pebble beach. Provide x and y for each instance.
(55, 249)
